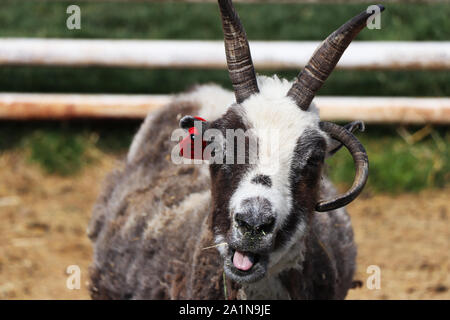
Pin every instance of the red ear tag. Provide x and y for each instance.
(189, 143)
(199, 118)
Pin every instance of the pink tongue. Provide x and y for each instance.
(241, 261)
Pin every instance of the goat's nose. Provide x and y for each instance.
(260, 223)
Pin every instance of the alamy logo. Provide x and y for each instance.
(374, 280)
(73, 281)
(235, 147)
(74, 20)
(374, 21)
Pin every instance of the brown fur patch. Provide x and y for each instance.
(225, 178)
(207, 278)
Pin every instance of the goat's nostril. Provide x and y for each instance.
(268, 226)
(263, 227)
(242, 224)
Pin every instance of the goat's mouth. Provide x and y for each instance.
(244, 266)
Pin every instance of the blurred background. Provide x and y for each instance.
(51, 170)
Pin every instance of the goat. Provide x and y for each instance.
(162, 230)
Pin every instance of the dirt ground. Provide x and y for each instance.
(44, 218)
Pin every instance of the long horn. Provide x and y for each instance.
(324, 59)
(239, 60)
(361, 163)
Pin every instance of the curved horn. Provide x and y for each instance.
(239, 60)
(352, 126)
(361, 163)
(324, 59)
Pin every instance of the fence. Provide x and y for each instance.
(210, 55)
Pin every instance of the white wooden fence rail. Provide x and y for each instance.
(211, 54)
(374, 110)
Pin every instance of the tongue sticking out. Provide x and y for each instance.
(242, 261)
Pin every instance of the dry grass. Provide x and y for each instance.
(44, 231)
(44, 220)
(408, 237)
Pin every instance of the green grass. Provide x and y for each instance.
(58, 151)
(121, 80)
(396, 166)
(201, 20)
(64, 148)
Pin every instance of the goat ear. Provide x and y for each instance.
(193, 146)
(189, 121)
(336, 145)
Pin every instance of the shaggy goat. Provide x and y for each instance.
(236, 231)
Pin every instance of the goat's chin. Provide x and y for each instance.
(254, 274)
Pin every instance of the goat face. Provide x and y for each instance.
(263, 197)
(262, 207)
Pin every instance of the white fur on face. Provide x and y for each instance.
(212, 99)
(221, 244)
(271, 111)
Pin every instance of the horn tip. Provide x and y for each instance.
(381, 7)
(361, 126)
